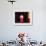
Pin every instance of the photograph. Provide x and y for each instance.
(23, 17)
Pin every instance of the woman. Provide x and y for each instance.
(21, 19)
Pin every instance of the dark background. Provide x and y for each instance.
(17, 16)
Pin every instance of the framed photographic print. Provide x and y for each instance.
(23, 17)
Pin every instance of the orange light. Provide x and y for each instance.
(22, 33)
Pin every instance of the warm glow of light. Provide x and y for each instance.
(22, 33)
